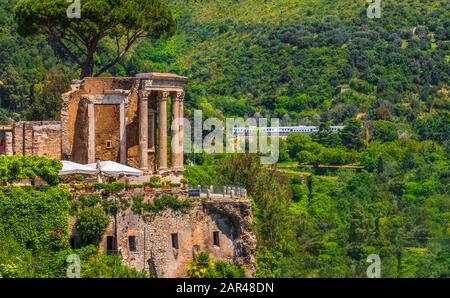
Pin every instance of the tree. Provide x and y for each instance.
(352, 135)
(122, 23)
(91, 224)
(46, 105)
(326, 137)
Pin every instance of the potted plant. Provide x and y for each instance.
(129, 188)
(166, 186)
(78, 186)
(148, 186)
(79, 178)
(183, 182)
(88, 188)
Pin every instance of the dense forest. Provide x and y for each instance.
(312, 62)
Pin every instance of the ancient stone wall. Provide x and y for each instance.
(132, 128)
(37, 138)
(74, 121)
(107, 132)
(194, 227)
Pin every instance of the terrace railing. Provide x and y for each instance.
(217, 192)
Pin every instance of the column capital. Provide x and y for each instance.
(144, 94)
(179, 96)
(164, 95)
(145, 89)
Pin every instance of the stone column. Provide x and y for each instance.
(151, 138)
(163, 132)
(175, 132)
(143, 130)
(8, 143)
(180, 96)
(91, 133)
(123, 134)
(151, 130)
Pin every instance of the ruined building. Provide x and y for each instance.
(125, 120)
(131, 120)
(164, 243)
(120, 119)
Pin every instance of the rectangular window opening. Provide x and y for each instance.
(175, 240)
(132, 243)
(216, 238)
(109, 245)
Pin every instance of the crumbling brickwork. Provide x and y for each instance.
(107, 143)
(126, 120)
(38, 138)
(74, 120)
(194, 228)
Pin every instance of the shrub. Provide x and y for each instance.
(159, 204)
(78, 186)
(99, 186)
(91, 224)
(89, 200)
(202, 267)
(115, 186)
(16, 168)
(155, 179)
(79, 178)
(199, 266)
(167, 201)
(223, 269)
(31, 216)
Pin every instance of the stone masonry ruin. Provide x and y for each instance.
(129, 120)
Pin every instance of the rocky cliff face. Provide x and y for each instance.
(165, 242)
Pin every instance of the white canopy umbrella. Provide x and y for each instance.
(70, 168)
(115, 169)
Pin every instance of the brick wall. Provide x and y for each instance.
(37, 138)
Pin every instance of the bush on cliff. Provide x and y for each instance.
(203, 267)
(91, 224)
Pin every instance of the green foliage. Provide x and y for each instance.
(79, 178)
(110, 187)
(397, 207)
(200, 175)
(122, 23)
(31, 216)
(159, 204)
(91, 223)
(16, 168)
(90, 200)
(16, 261)
(268, 262)
(436, 128)
(386, 131)
(303, 149)
(352, 135)
(155, 179)
(98, 265)
(202, 267)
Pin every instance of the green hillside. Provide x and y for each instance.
(275, 57)
(290, 57)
